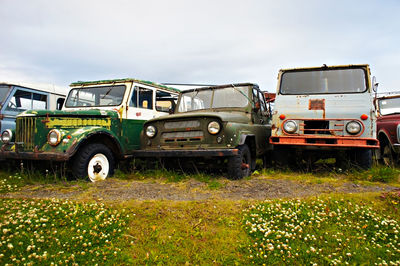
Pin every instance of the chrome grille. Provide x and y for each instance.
(182, 124)
(25, 131)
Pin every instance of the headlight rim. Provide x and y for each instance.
(356, 122)
(155, 131)
(58, 137)
(209, 126)
(10, 136)
(296, 126)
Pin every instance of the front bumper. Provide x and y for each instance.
(34, 155)
(186, 153)
(320, 141)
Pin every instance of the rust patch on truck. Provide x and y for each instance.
(317, 104)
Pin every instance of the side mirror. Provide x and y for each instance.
(374, 84)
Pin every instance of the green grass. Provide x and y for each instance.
(63, 232)
(324, 231)
(194, 233)
(377, 174)
(203, 232)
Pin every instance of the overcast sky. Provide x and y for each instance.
(211, 42)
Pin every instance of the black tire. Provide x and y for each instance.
(387, 154)
(363, 158)
(239, 166)
(90, 152)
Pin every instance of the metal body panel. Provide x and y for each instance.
(118, 127)
(186, 133)
(186, 153)
(387, 127)
(322, 118)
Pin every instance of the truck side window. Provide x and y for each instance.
(60, 102)
(165, 101)
(21, 101)
(256, 97)
(133, 101)
(39, 101)
(145, 98)
(262, 101)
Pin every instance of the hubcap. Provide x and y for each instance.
(98, 167)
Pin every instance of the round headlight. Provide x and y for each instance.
(353, 127)
(290, 126)
(6, 136)
(54, 137)
(151, 131)
(213, 127)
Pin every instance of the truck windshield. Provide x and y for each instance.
(229, 97)
(3, 93)
(350, 80)
(96, 96)
(389, 106)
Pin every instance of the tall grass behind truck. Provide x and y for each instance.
(325, 112)
(100, 124)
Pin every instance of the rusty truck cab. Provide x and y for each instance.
(325, 111)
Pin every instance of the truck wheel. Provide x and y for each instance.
(363, 158)
(95, 161)
(387, 154)
(239, 165)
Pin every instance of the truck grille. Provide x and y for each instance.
(330, 127)
(25, 131)
(182, 131)
(182, 136)
(182, 124)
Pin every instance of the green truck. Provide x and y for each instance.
(230, 122)
(100, 123)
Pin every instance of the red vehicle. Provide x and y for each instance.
(388, 128)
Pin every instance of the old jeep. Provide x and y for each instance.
(229, 121)
(323, 112)
(388, 128)
(100, 123)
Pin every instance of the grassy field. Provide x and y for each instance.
(328, 229)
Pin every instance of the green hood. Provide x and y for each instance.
(238, 117)
(58, 113)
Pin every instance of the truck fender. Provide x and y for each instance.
(117, 150)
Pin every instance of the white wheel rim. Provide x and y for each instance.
(98, 167)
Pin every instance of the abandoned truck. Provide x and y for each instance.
(100, 123)
(230, 123)
(388, 128)
(324, 112)
(16, 98)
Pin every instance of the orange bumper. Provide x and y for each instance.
(320, 141)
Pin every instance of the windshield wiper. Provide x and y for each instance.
(107, 93)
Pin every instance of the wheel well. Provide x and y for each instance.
(383, 139)
(105, 139)
(251, 142)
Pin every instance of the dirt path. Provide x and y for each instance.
(257, 188)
